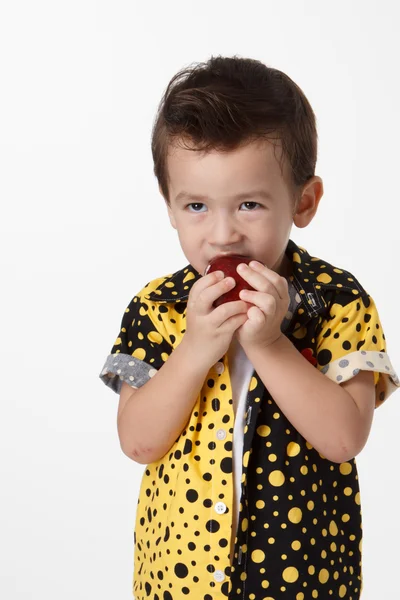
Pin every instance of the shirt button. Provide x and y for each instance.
(219, 367)
(220, 508)
(219, 575)
(221, 434)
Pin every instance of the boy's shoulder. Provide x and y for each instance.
(320, 282)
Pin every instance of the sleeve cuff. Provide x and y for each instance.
(343, 369)
(124, 367)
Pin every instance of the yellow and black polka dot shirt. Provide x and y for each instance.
(299, 532)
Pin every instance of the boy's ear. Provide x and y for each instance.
(308, 204)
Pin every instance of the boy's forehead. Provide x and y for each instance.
(253, 163)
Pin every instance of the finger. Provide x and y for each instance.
(267, 303)
(204, 283)
(256, 315)
(280, 283)
(261, 284)
(210, 294)
(225, 312)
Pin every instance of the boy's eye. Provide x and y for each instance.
(201, 204)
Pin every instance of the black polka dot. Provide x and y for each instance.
(181, 570)
(215, 404)
(366, 301)
(212, 526)
(324, 357)
(192, 495)
(226, 465)
(188, 447)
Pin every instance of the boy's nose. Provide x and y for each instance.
(224, 234)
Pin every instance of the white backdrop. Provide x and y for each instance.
(80, 84)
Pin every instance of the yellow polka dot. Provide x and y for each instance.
(345, 468)
(293, 449)
(276, 415)
(333, 530)
(253, 384)
(263, 430)
(246, 456)
(345, 518)
(276, 478)
(265, 584)
(324, 278)
(300, 333)
(300, 596)
(257, 556)
(139, 353)
(245, 524)
(342, 591)
(323, 576)
(154, 336)
(304, 470)
(271, 540)
(295, 515)
(311, 569)
(348, 491)
(296, 257)
(290, 574)
(314, 594)
(310, 505)
(272, 457)
(296, 545)
(357, 498)
(260, 504)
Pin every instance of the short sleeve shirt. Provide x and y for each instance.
(299, 532)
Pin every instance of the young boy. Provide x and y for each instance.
(249, 415)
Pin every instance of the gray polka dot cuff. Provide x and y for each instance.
(345, 368)
(124, 367)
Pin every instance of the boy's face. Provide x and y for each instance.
(212, 221)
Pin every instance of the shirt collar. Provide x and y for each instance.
(311, 277)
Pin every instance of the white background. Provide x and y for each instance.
(80, 85)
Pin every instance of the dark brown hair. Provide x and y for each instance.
(230, 101)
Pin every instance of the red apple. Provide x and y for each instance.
(228, 265)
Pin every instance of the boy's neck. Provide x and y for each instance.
(286, 267)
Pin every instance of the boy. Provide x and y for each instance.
(249, 415)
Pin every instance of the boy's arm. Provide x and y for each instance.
(155, 414)
(335, 419)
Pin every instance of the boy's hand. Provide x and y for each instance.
(209, 330)
(270, 305)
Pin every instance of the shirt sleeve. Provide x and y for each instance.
(140, 350)
(350, 340)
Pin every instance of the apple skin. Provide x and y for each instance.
(228, 265)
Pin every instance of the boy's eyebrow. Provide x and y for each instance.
(199, 197)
